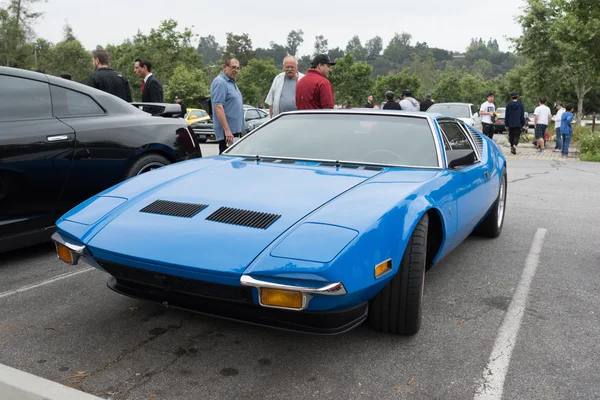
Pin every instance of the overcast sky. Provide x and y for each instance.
(441, 23)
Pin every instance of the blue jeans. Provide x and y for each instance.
(566, 142)
(559, 140)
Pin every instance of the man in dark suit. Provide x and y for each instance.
(152, 90)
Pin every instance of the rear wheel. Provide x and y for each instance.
(146, 163)
(397, 308)
(492, 225)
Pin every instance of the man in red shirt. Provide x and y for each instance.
(314, 91)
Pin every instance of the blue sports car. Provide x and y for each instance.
(316, 221)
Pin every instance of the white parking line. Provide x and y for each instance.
(497, 367)
(44, 283)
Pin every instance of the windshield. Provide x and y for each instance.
(451, 110)
(501, 112)
(344, 137)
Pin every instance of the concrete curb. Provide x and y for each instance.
(19, 385)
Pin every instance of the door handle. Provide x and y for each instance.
(487, 175)
(57, 138)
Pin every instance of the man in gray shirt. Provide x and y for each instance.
(282, 95)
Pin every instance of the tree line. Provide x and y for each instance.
(556, 57)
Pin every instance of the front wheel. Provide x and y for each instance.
(397, 308)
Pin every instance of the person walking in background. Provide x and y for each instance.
(542, 117)
(514, 120)
(314, 91)
(566, 129)
(408, 103)
(107, 79)
(227, 104)
(152, 90)
(183, 106)
(282, 95)
(560, 110)
(390, 104)
(487, 111)
(427, 103)
(369, 103)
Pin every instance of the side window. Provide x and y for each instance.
(24, 99)
(252, 114)
(456, 137)
(69, 103)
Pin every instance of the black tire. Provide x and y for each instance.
(492, 225)
(398, 307)
(145, 164)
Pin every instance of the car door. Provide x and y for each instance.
(35, 158)
(469, 181)
(101, 150)
(252, 119)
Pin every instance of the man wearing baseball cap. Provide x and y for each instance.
(314, 91)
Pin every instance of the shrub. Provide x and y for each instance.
(595, 157)
(589, 143)
(580, 131)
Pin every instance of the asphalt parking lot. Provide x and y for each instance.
(514, 317)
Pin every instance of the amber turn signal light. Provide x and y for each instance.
(383, 268)
(64, 254)
(281, 298)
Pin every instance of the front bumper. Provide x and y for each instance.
(321, 322)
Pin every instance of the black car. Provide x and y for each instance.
(62, 142)
(253, 118)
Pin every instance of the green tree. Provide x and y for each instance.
(560, 42)
(255, 80)
(191, 84)
(321, 45)
(355, 47)
(166, 47)
(70, 57)
(210, 50)
(483, 68)
(294, 40)
(275, 53)
(446, 90)
(398, 48)
(396, 83)
(425, 71)
(16, 22)
(374, 47)
(351, 81)
(241, 47)
(335, 53)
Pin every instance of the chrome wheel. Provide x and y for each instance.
(150, 166)
(501, 201)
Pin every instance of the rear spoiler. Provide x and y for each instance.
(160, 109)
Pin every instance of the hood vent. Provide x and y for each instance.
(251, 219)
(173, 208)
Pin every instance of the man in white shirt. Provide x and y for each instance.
(487, 111)
(560, 110)
(542, 117)
(282, 95)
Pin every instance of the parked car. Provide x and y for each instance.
(62, 142)
(499, 126)
(466, 112)
(342, 213)
(254, 117)
(196, 115)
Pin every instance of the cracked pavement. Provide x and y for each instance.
(78, 332)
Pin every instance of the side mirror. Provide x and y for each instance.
(476, 115)
(460, 158)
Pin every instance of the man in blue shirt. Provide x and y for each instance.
(227, 104)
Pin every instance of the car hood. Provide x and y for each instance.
(283, 193)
